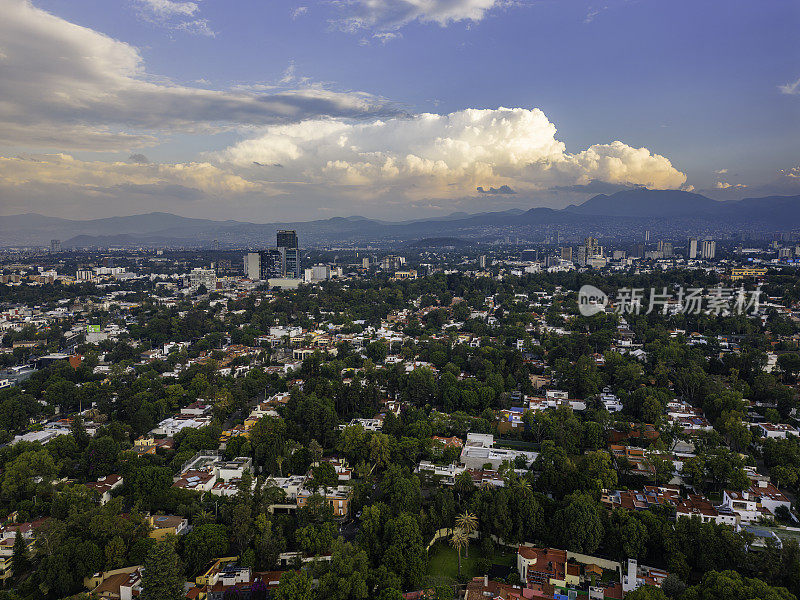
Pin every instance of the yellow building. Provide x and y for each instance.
(738, 273)
(6, 552)
(211, 573)
(164, 525)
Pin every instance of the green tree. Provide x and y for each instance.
(673, 586)
(377, 351)
(790, 363)
(324, 475)
(20, 559)
(19, 479)
(294, 585)
(646, 592)
(578, 525)
(267, 541)
(346, 578)
(115, 553)
(404, 550)
(459, 541)
(202, 544)
(380, 449)
(467, 522)
(161, 579)
(444, 592)
(242, 526)
(730, 585)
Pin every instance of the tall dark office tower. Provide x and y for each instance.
(287, 238)
(272, 263)
(287, 245)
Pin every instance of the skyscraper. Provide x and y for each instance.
(55, 246)
(709, 249)
(287, 238)
(252, 266)
(272, 263)
(291, 258)
(692, 248)
(288, 246)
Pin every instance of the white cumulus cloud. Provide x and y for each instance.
(792, 88)
(168, 8)
(432, 155)
(69, 87)
(175, 14)
(393, 14)
(724, 185)
(793, 173)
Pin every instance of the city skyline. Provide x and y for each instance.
(389, 109)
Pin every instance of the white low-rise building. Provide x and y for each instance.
(777, 430)
(479, 451)
(762, 499)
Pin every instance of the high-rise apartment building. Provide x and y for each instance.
(252, 266)
(692, 248)
(392, 263)
(205, 277)
(55, 246)
(709, 250)
(589, 250)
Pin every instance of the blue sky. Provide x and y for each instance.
(699, 95)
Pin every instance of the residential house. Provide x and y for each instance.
(338, 498)
(164, 525)
(104, 486)
(762, 499)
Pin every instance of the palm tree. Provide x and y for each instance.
(467, 522)
(459, 541)
(279, 461)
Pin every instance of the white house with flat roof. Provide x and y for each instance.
(479, 450)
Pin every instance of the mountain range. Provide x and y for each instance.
(662, 210)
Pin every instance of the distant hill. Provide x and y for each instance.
(615, 213)
(649, 204)
(665, 204)
(442, 242)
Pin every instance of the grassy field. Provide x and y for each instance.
(443, 563)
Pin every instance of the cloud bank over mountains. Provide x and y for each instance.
(448, 155)
(68, 89)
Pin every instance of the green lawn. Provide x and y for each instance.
(443, 563)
